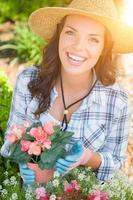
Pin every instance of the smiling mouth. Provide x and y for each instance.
(76, 59)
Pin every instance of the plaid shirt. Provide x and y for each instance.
(102, 121)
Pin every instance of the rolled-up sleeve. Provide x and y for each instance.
(114, 150)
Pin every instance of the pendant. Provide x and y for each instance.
(65, 112)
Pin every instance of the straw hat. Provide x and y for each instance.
(44, 20)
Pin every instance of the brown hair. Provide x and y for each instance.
(50, 67)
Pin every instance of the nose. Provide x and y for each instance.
(79, 44)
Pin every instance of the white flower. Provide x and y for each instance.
(6, 173)
(56, 174)
(13, 178)
(110, 193)
(28, 196)
(88, 178)
(76, 171)
(6, 182)
(85, 190)
(19, 174)
(4, 192)
(14, 196)
(14, 183)
(52, 197)
(81, 176)
(88, 169)
(29, 190)
(29, 193)
(55, 183)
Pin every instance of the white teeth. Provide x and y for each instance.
(76, 58)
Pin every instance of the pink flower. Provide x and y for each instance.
(16, 133)
(58, 198)
(98, 196)
(49, 127)
(38, 134)
(46, 144)
(27, 124)
(34, 149)
(40, 192)
(46, 197)
(12, 138)
(75, 185)
(70, 187)
(25, 145)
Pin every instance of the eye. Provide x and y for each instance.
(93, 39)
(69, 32)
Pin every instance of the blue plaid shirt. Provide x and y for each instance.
(102, 121)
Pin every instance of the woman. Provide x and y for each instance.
(75, 85)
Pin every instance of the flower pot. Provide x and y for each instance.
(42, 176)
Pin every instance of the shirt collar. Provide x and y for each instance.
(96, 96)
(54, 94)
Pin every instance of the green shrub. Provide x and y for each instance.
(28, 46)
(21, 9)
(5, 101)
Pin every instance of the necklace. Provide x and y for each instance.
(64, 124)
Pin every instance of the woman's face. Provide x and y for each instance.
(80, 44)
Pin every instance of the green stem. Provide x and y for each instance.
(34, 161)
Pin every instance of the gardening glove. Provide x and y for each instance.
(27, 174)
(78, 155)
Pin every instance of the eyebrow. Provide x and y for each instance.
(72, 28)
(91, 34)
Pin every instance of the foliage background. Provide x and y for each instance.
(25, 46)
(20, 9)
(5, 101)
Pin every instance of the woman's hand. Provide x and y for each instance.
(27, 174)
(77, 155)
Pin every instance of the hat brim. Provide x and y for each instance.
(44, 22)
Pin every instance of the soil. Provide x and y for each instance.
(125, 79)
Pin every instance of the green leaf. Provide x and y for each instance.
(54, 136)
(49, 157)
(34, 125)
(28, 138)
(63, 137)
(59, 139)
(8, 46)
(18, 156)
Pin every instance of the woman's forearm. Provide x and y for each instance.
(95, 161)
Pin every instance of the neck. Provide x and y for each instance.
(77, 83)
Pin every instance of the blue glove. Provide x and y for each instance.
(27, 174)
(74, 155)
